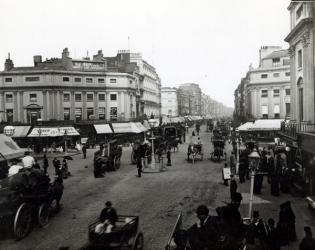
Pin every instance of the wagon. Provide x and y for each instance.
(195, 151)
(218, 146)
(27, 199)
(125, 235)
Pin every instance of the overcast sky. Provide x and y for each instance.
(209, 42)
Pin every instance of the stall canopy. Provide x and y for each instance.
(141, 127)
(103, 129)
(21, 131)
(9, 149)
(245, 126)
(266, 125)
(53, 132)
(123, 128)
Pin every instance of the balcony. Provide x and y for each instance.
(292, 128)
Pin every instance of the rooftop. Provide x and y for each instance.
(277, 54)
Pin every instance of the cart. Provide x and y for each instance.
(195, 151)
(218, 146)
(125, 235)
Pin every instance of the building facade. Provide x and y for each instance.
(184, 102)
(195, 97)
(66, 89)
(169, 102)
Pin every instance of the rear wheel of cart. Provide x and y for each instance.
(22, 222)
(43, 215)
(138, 242)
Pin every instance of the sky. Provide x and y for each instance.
(208, 42)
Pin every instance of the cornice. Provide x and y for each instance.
(297, 28)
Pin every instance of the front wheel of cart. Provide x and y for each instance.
(138, 242)
(22, 222)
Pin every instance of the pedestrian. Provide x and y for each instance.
(256, 234)
(308, 242)
(193, 133)
(139, 166)
(225, 175)
(233, 163)
(168, 155)
(36, 165)
(242, 169)
(108, 219)
(270, 166)
(283, 225)
(291, 221)
(28, 160)
(272, 235)
(233, 187)
(45, 164)
(84, 151)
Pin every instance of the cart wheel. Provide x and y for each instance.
(43, 215)
(22, 222)
(138, 242)
(53, 207)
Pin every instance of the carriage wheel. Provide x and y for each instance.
(43, 215)
(138, 242)
(22, 222)
(53, 206)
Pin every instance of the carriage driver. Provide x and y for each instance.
(108, 219)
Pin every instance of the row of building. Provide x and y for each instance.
(283, 86)
(120, 88)
(188, 99)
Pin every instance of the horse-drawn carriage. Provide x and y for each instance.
(26, 199)
(125, 235)
(107, 158)
(140, 150)
(195, 151)
(218, 149)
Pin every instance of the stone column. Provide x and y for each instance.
(84, 115)
(45, 105)
(51, 105)
(2, 107)
(21, 107)
(95, 105)
(72, 107)
(15, 106)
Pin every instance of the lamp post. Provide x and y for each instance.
(254, 159)
(237, 154)
(65, 138)
(152, 123)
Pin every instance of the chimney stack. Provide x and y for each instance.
(8, 65)
(37, 60)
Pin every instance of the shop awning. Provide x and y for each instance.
(21, 131)
(9, 149)
(53, 132)
(146, 124)
(125, 128)
(141, 127)
(245, 126)
(103, 129)
(266, 125)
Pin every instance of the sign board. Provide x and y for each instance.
(52, 132)
(226, 173)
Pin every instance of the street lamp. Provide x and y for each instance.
(152, 122)
(253, 159)
(9, 130)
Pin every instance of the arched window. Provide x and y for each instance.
(300, 98)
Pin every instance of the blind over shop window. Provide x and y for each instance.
(78, 114)
(101, 113)
(264, 110)
(113, 113)
(276, 109)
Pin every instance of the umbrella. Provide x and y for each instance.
(68, 157)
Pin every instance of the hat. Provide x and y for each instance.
(255, 214)
(108, 203)
(202, 210)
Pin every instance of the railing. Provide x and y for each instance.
(292, 128)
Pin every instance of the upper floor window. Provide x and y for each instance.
(8, 79)
(276, 62)
(101, 80)
(66, 97)
(33, 98)
(113, 97)
(276, 92)
(299, 12)
(101, 97)
(89, 80)
(78, 97)
(264, 76)
(112, 80)
(32, 79)
(89, 97)
(276, 74)
(65, 79)
(287, 73)
(300, 58)
(287, 91)
(130, 81)
(264, 93)
(77, 79)
(8, 98)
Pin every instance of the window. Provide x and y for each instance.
(101, 113)
(77, 79)
(299, 12)
(101, 80)
(90, 113)
(9, 113)
(78, 114)
(287, 91)
(89, 97)
(113, 113)
(276, 92)
(9, 98)
(276, 111)
(112, 80)
(130, 81)
(32, 79)
(7, 79)
(113, 97)
(276, 62)
(101, 97)
(300, 58)
(33, 98)
(264, 93)
(89, 80)
(66, 114)
(78, 97)
(66, 97)
(287, 73)
(276, 74)
(287, 109)
(264, 111)
(65, 79)
(286, 61)
(264, 76)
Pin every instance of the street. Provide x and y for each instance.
(156, 198)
